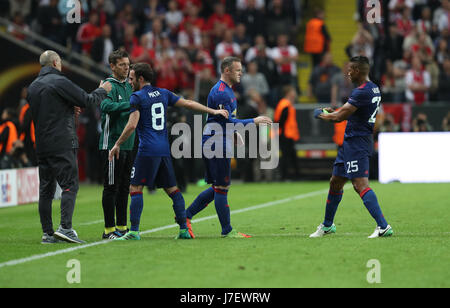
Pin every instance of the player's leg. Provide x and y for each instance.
(109, 193)
(361, 186)
(142, 173)
(136, 208)
(337, 182)
(334, 198)
(180, 213)
(123, 181)
(47, 188)
(66, 173)
(206, 196)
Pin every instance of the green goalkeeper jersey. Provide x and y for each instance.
(115, 111)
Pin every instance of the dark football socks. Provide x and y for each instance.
(222, 209)
(136, 207)
(202, 201)
(179, 208)
(370, 201)
(333, 200)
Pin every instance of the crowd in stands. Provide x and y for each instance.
(408, 50)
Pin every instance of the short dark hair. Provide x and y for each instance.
(116, 55)
(227, 62)
(143, 70)
(362, 62)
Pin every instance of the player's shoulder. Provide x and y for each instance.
(368, 89)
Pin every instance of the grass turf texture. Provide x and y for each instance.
(280, 254)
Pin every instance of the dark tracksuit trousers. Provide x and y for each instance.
(116, 187)
(61, 168)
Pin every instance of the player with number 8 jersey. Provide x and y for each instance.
(153, 164)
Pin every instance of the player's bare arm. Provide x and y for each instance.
(127, 131)
(199, 107)
(330, 115)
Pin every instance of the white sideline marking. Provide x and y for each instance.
(255, 207)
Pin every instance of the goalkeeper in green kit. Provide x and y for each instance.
(115, 110)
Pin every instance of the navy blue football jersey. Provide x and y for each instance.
(152, 103)
(367, 99)
(222, 96)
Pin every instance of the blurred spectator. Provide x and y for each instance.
(242, 5)
(286, 116)
(88, 32)
(268, 67)
(443, 20)
(153, 10)
(27, 129)
(50, 21)
(192, 15)
(405, 24)
(446, 123)
(156, 34)
(362, 44)
(285, 56)
(393, 82)
(130, 39)
(444, 82)
(221, 17)
(241, 38)
(10, 145)
(18, 26)
(418, 82)
(420, 123)
(442, 51)
(388, 124)
(341, 87)
(278, 21)
(173, 17)
(425, 22)
(255, 87)
(203, 58)
(190, 36)
(320, 82)
(165, 67)
(260, 45)
(183, 4)
(423, 47)
(317, 39)
(184, 72)
(226, 48)
(141, 52)
(20, 6)
(102, 47)
(104, 7)
(250, 13)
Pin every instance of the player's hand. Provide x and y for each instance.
(329, 110)
(77, 110)
(318, 112)
(105, 85)
(262, 120)
(115, 151)
(222, 112)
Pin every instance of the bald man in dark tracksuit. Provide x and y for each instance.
(54, 100)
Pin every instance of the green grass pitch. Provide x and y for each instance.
(280, 216)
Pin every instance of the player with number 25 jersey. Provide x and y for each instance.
(353, 157)
(352, 161)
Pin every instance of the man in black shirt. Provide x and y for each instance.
(54, 100)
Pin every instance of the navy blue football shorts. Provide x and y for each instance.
(353, 157)
(218, 171)
(153, 171)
